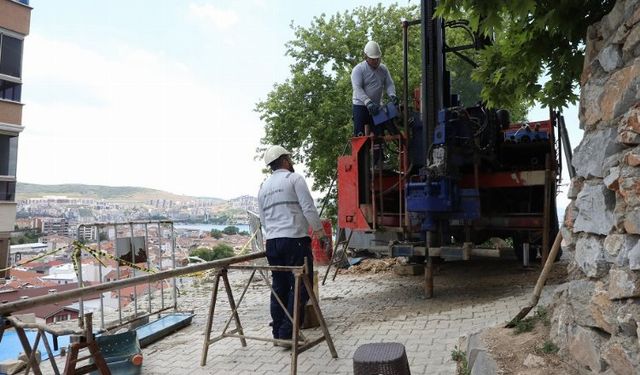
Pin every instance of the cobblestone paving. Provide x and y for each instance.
(358, 309)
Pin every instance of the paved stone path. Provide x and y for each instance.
(359, 309)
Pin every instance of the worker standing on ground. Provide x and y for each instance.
(286, 212)
(369, 79)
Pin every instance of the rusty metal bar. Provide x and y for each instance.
(11, 307)
(372, 181)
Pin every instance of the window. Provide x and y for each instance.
(10, 56)
(8, 162)
(8, 155)
(62, 318)
(7, 190)
(10, 90)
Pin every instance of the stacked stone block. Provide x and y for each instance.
(596, 319)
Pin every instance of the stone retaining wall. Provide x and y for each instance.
(596, 319)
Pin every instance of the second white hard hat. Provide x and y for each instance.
(273, 153)
(372, 50)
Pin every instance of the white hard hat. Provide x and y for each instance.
(372, 50)
(273, 153)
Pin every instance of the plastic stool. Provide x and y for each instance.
(386, 358)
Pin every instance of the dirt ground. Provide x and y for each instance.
(478, 273)
(492, 278)
(511, 350)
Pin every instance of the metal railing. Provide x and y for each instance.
(155, 237)
(127, 239)
(11, 307)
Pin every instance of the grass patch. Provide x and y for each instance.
(548, 347)
(461, 358)
(542, 314)
(527, 324)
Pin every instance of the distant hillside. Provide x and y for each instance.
(112, 193)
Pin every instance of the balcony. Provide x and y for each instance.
(15, 16)
(10, 112)
(7, 216)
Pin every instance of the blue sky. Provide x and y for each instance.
(157, 94)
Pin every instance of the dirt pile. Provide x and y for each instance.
(526, 353)
(373, 266)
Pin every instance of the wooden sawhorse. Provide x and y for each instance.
(300, 273)
(88, 342)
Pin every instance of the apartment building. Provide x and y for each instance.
(89, 233)
(53, 225)
(15, 17)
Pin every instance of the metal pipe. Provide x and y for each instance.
(133, 272)
(173, 262)
(115, 250)
(100, 276)
(566, 145)
(146, 249)
(160, 265)
(428, 269)
(405, 66)
(80, 283)
(100, 225)
(11, 307)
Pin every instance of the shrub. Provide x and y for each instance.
(525, 325)
(542, 314)
(461, 358)
(549, 347)
(216, 233)
(220, 251)
(231, 229)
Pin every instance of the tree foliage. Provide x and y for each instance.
(230, 230)
(216, 233)
(25, 237)
(219, 251)
(532, 38)
(310, 112)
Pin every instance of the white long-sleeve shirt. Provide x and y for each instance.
(368, 83)
(286, 206)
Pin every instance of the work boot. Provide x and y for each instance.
(285, 345)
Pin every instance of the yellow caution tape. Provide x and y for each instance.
(78, 247)
(34, 259)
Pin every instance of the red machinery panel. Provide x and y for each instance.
(349, 213)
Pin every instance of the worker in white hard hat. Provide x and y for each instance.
(369, 79)
(287, 211)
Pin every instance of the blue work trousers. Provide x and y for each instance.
(361, 117)
(287, 252)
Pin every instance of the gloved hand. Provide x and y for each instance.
(394, 99)
(322, 239)
(373, 108)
